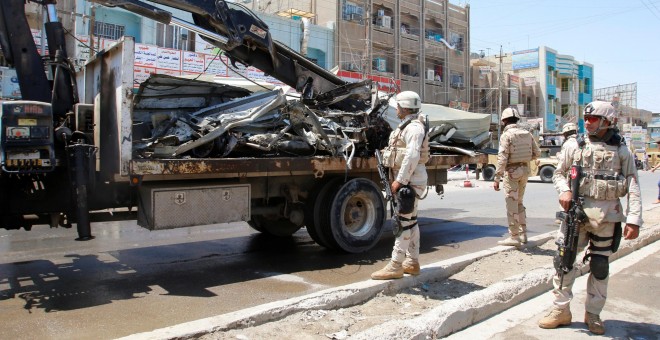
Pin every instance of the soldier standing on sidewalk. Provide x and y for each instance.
(407, 152)
(517, 149)
(609, 173)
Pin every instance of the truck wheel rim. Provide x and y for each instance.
(358, 215)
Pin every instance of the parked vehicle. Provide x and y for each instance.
(544, 167)
(184, 152)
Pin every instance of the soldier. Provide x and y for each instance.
(570, 144)
(609, 173)
(406, 154)
(517, 149)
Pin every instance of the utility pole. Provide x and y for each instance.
(500, 86)
(92, 23)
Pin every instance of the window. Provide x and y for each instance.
(352, 12)
(456, 80)
(405, 69)
(552, 77)
(172, 37)
(564, 109)
(108, 31)
(456, 40)
(552, 105)
(587, 85)
(564, 84)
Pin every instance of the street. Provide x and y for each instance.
(130, 280)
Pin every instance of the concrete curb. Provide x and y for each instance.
(333, 298)
(472, 308)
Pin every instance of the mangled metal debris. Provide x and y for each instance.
(215, 121)
(239, 124)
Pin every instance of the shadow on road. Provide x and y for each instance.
(190, 269)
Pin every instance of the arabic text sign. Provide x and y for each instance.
(146, 55)
(169, 59)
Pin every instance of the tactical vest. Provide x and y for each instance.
(520, 146)
(603, 179)
(394, 153)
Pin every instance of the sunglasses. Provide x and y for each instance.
(592, 119)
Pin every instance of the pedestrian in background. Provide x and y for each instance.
(517, 148)
(609, 172)
(407, 152)
(653, 170)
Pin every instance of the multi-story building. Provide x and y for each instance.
(547, 87)
(420, 45)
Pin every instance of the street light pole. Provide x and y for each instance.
(500, 86)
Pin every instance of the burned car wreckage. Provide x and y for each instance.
(217, 120)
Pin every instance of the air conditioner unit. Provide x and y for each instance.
(386, 21)
(379, 64)
(381, 12)
(430, 75)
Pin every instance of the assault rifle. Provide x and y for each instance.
(568, 244)
(397, 229)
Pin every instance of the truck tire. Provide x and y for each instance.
(546, 173)
(488, 172)
(320, 196)
(353, 221)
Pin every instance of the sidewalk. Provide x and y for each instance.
(632, 310)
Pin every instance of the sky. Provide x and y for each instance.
(620, 38)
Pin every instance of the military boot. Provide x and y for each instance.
(594, 323)
(393, 270)
(411, 266)
(523, 234)
(556, 317)
(513, 240)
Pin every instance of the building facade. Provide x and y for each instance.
(545, 86)
(416, 45)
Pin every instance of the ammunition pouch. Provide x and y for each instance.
(393, 156)
(405, 198)
(604, 187)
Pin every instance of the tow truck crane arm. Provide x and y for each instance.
(246, 39)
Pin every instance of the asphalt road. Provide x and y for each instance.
(131, 280)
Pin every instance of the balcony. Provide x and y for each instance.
(410, 43)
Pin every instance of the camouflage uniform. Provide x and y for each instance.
(602, 206)
(409, 168)
(517, 149)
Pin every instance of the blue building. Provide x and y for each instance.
(557, 85)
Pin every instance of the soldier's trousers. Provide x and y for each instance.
(515, 182)
(596, 289)
(407, 244)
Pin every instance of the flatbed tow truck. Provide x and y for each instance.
(68, 148)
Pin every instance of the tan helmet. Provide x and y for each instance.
(510, 112)
(409, 100)
(601, 108)
(568, 127)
